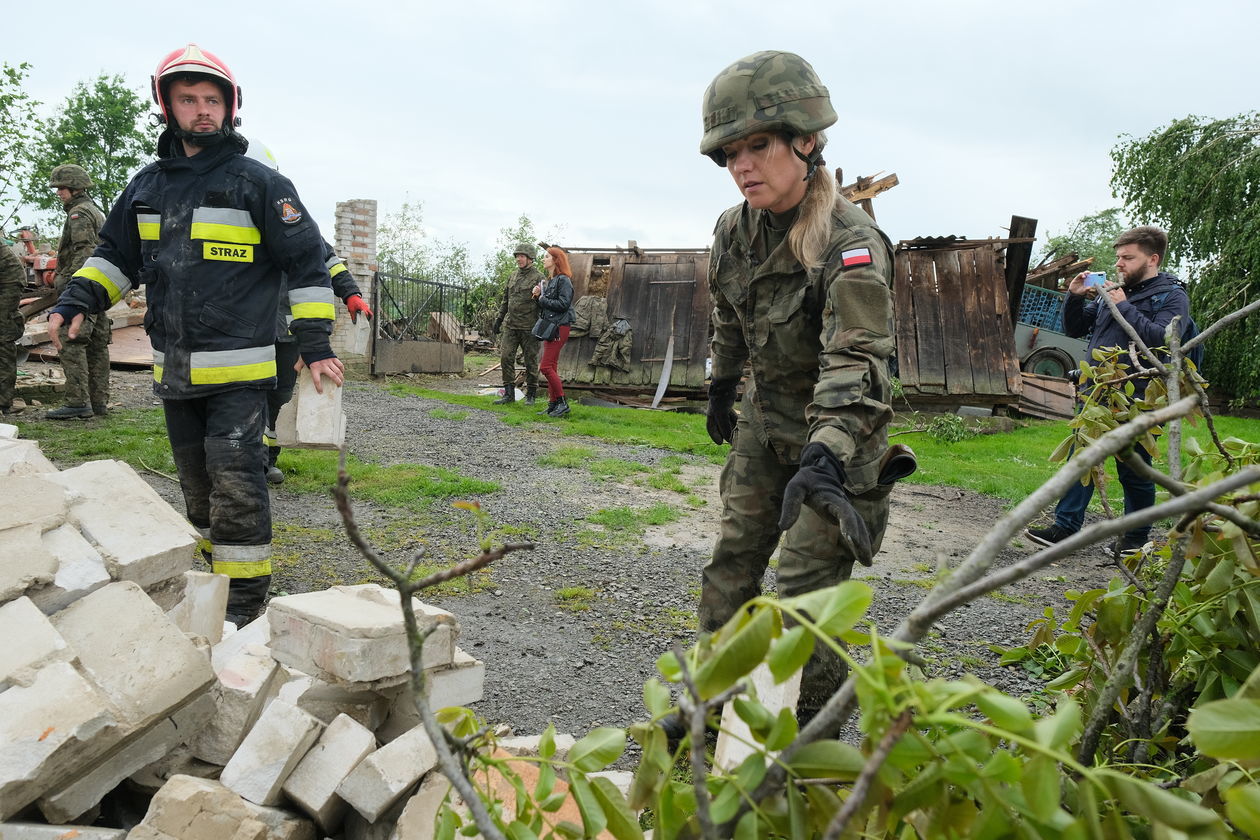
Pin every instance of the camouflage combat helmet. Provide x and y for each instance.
(766, 91)
(524, 248)
(71, 176)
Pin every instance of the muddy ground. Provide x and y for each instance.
(570, 630)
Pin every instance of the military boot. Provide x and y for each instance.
(69, 412)
(275, 475)
(551, 406)
(561, 408)
(509, 396)
(531, 394)
(100, 409)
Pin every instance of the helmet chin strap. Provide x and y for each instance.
(813, 160)
(204, 139)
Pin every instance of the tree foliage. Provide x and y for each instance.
(1088, 237)
(17, 132)
(103, 127)
(1200, 179)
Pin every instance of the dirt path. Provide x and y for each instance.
(580, 661)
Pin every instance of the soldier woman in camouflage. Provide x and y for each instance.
(801, 286)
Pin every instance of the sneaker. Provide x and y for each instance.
(275, 475)
(1048, 536)
(69, 412)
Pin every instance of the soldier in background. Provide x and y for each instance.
(517, 315)
(85, 358)
(12, 279)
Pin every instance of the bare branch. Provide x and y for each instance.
(1177, 488)
(862, 785)
(1236, 315)
(696, 712)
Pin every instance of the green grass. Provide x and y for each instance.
(409, 486)
(447, 414)
(137, 437)
(614, 527)
(669, 430)
(574, 598)
(1011, 465)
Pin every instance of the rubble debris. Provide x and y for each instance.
(312, 420)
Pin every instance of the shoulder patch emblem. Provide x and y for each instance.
(290, 211)
(74, 215)
(856, 257)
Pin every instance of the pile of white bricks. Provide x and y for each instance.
(115, 672)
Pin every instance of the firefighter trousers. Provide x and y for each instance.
(217, 444)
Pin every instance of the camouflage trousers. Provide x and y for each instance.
(508, 344)
(814, 553)
(85, 360)
(10, 331)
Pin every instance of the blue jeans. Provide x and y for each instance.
(1139, 493)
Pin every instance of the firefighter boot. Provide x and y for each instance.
(275, 475)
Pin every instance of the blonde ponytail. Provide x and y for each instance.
(811, 231)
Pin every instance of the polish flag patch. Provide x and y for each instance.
(858, 256)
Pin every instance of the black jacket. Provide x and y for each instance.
(212, 237)
(556, 301)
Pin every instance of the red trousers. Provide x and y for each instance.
(550, 357)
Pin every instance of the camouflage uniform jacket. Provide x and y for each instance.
(79, 237)
(12, 272)
(818, 341)
(519, 310)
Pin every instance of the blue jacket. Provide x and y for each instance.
(212, 238)
(1148, 307)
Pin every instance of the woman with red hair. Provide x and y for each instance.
(555, 298)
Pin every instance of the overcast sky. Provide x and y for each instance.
(586, 116)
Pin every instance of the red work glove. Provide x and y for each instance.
(355, 304)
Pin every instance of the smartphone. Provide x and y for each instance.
(1095, 278)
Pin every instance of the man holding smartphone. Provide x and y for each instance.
(1148, 299)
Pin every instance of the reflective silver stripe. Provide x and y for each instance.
(149, 218)
(232, 358)
(333, 260)
(222, 216)
(113, 273)
(241, 553)
(310, 294)
(159, 358)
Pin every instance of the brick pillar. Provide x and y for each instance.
(356, 244)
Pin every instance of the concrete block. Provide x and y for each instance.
(528, 745)
(80, 570)
(257, 632)
(39, 831)
(151, 543)
(419, 815)
(141, 661)
(178, 762)
(188, 808)
(272, 749)
(23, 457)
(621, 779)
(37, 501)
(201, 610)
(8, 431)
(28, 564)
(731, 749)
(382, 778)
(313, 783)
(356, 827)
(47, 729)
(167, 593)
(352, 634)
(77, 798)
(41, 644)
(458, 684)
(312, 420)
(243, 686)
(327, 700)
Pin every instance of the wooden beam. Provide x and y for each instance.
(1017, 256)
(865, 187)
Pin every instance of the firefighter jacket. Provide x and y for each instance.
(519, 309)
(342, 283)
(817, 341)
(212, 237)
(79, 237)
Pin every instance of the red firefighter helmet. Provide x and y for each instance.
(193, 59)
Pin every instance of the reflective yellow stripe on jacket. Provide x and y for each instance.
(215, 367)
(242, 561)
(225, 225)
(335, 265)
(159, 361)
(312, 302)
(149, 226)
(107, 275)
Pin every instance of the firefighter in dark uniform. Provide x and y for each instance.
(85, 358)
(212, 235)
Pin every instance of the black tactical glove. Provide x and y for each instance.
(819, 483)
(722, 418)
(498, 326)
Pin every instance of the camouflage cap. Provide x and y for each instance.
(71, 176)
(526, 249)
(766, 91)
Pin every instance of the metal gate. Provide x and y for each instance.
(418, 326)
